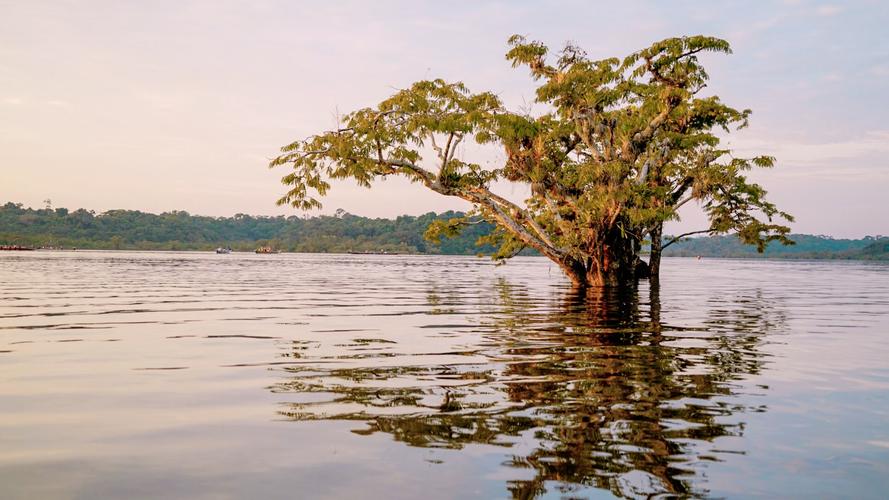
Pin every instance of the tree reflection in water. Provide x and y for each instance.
(609, 396)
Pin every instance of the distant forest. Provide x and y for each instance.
(343, 232)
(178, 230)
(807, 247)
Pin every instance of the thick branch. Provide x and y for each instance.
(643, 174)
(519, 231)
(452, 148)
(428, 178)
(447, 151)
(512, 207)
(586, 135)
(683, 187)
(539, 241)
(647, 133)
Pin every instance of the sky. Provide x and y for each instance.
(179, 105)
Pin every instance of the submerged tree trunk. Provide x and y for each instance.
(614, 261)
(654, 260)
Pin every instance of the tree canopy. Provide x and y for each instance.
(621, 146)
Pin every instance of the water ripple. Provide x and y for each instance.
(638, 392)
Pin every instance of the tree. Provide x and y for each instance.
(623, 145)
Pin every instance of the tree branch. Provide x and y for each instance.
(683, 202)
(452, 148)
(447, 150)
(482, 196)
(677, 238)
(585, 134)
(648, 132)
(683, 187)
(643, 174)
(436, 147)
(519, 231)
(512, 207)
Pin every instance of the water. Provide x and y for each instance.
(146, 375)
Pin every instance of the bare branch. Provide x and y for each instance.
(683, 202)
(518, 230)
(689, 53)
(447, 150)
(436, 147)
(513, 208)
(683, 187)
(677, 238)
(453, 148)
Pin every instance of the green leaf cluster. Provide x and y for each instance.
(620, 147)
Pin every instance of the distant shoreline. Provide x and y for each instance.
(784, 258)
(342, 233)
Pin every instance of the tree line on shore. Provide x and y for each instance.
(807, 247)
(179, 230)
(342, 232)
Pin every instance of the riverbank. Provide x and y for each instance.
(340, 233)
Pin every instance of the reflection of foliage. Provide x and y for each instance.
(611, 397)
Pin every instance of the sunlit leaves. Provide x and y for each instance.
(620, 145)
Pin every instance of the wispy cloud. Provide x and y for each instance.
(828, 10)
(58, 103)
(756, 28)
(864, 155)
(880, 70)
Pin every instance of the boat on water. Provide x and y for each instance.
(222, 250)
(266, 250)
(15, 248)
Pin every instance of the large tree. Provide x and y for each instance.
(621, 146)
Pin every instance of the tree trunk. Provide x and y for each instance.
(613, 262)
(654, 260)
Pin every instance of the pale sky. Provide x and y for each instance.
(178, 105)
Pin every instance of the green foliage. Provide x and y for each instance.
(624, 144)
(806, 247)
(125, 229)
(876, 250)
(445, 228)
(450, 233)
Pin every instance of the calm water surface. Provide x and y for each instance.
(185, 375)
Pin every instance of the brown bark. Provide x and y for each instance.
(654, 260)
(612, 262)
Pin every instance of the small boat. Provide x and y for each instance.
(221, 250)
(266, 250)
(15, 248)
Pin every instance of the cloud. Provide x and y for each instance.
(57, 103)
(828, 10)
(756, 28)
(864, 155)
(880, 70)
